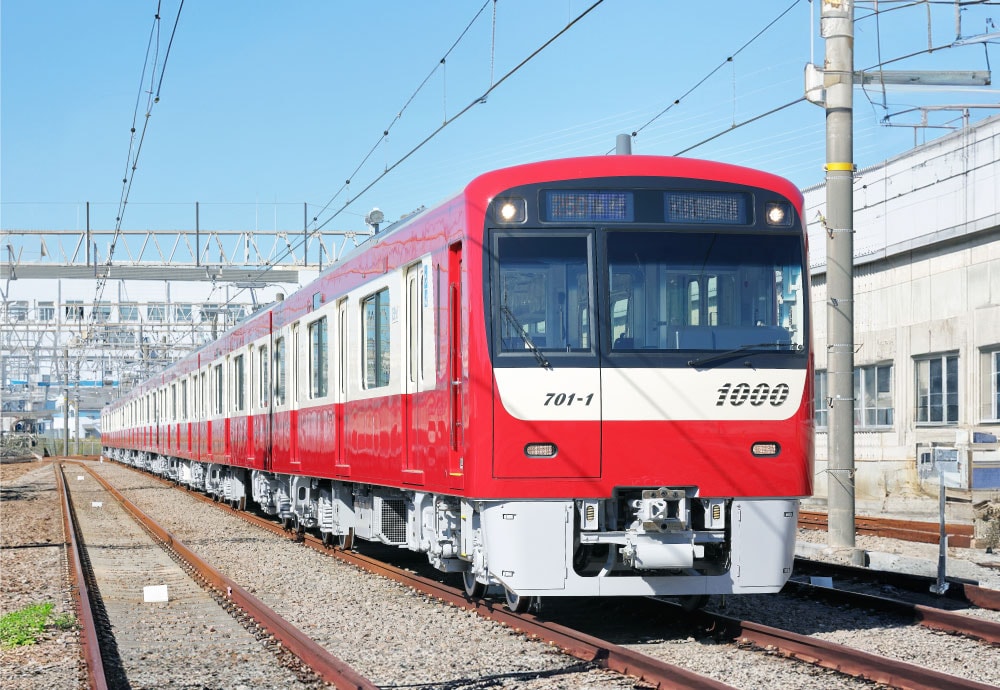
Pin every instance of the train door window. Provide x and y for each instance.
(342, 342)
(295, 361)
(219, 399)
(265, 368)
(238, 384)
(204, 395)
(375, 343)
(279, 371)
(318, 359)
(414, 318)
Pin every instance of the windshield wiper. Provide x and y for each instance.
(743, 348)
(542, 361)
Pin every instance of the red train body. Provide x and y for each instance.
(578, 377)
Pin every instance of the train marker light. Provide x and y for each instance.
(765, 449)
(511, 211)
(540, 450)
(777, 213)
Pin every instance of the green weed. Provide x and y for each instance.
(23, 627)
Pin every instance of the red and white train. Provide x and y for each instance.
(580, 377)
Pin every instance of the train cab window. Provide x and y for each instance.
(705, 291)
(318, 358)
(279, 371)
(376, 346)
(543, 293)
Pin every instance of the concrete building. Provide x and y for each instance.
(927, 318)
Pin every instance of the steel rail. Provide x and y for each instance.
(927, 616)
(577, 644)
(327, 666)
(89, 642)
(854, 662)
(959, 535)
(959, 589)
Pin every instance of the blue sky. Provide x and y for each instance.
(265, 106)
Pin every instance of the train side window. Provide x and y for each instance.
(184, 400)
(279, 371)
(218, 389)
(375, 343)
(265, 368)
(239, 380)
(318, 359)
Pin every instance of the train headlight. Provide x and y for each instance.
(511, 210)
(778, 213)
(540, 450)
(765, 449)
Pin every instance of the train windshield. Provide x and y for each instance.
(543, 300)
(705, 291)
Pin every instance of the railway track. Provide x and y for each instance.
(593, 649)
(205, 629)
(959, 535)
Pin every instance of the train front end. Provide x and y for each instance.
(648, 335)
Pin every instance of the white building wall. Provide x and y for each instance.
(927, 281)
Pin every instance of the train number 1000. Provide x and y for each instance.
(737, 394)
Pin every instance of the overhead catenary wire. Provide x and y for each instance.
(153, 97)
(399, 114)
(712, 72)
(292, 247)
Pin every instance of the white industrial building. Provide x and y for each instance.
(926, 314)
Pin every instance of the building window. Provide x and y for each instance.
(820, 400)
(73, 310)
(46, 311)
(873, 396)
(128, 312)
(183, 312)
(317, 359)
(937, 389)
(102, 313)
(990, 387)
(376, 339)
(157, 311)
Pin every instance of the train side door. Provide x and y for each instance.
(415, 442)
(342, 377)
(456, 334)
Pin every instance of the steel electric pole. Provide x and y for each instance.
(837, 27)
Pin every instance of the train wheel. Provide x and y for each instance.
(473, 588)
(328, 539)
(346, 541)
(517, 603)
(286, 523)
(695, 602)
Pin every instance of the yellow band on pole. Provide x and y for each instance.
(840, 166)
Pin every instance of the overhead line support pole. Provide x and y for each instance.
(837, 27)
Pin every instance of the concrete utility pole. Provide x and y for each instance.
(837, 27)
